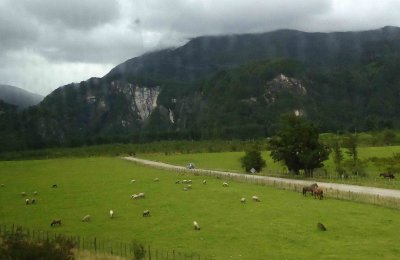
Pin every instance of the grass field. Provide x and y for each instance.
(282, 226)
(230, 161)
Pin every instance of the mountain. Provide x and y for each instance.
(19, 97)
(233, 86)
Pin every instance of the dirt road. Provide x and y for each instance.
(334, 186)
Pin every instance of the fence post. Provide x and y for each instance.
(149, 253)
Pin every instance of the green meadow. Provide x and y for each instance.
(282, 226)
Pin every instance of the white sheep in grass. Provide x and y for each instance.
(2, 185)
(196, 225)
(27, 202)
(185, 181)
(134, 196)
(185, 189)
(225, 184)
(132, 181)
(86, 218)
(243, 200)
(23, 193)
(111, 213)
(189, 181)
(156, 179)
(35, 193)
(141, 195)
(204, 182)
(256, 199)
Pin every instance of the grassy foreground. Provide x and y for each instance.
(282, 226)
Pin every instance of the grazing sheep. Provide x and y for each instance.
(33, 201)
(35, 193)
(177, 182)
(321, 226)
(132, 181)
(54, 186)
(27, 202)
(204, 182)
(56, 222)
(225, 184)
(23, 194)
(243, 200)
(185, 189)
(146, 213)
(156, 179)
(2, 185)
(189, 187)
(111, 213)
(184, 181)
(256, 199)
(189, 181)
(196, 225)
(86, 218)
(141, 195)
(134, 196)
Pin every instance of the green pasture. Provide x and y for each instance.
(282, 226)
(230, 161)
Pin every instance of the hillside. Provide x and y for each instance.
(19, 97)
(229, 87)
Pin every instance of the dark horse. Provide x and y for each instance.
(56, 222)
(309, 188)
(387, 175)
(318, 193)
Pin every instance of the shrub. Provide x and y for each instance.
(253, 159)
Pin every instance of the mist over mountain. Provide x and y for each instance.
(18, 96)
(234, 86)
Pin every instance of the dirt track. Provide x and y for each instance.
(335, 186)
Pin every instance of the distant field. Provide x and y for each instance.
(282, 226)
(231, 161)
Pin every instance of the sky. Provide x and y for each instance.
(45, 44)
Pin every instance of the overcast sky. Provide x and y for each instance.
(45, 44)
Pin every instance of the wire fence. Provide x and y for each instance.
(101, 246)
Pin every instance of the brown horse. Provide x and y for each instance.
(387, 175)
(309, 188)
(318, 192)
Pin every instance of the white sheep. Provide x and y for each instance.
(134, 196)
(146, 213)
(204, 182)
(132, 181)
(184, 181)
(27, 202)
(156, 179)
(35, 193)
(196, 225)
(255, 198)
(141, 195)
(111, 213)
(2, 185)
(23, 193)
(185, 189)
(189, 181)
(86, 218)
(225, 184)
(243, 200)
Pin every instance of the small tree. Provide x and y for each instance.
(338, 158)
(296, 145)
(253, 159)
(354, 164)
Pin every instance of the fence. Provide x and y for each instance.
(279, 183)
(103, 246)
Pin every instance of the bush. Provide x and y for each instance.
(16, 245)
(253, 159)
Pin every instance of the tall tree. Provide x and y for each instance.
(297, 146)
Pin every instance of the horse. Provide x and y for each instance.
(318, 192)
(309, 188)
(387, 175)
(56, 222)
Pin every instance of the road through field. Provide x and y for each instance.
(334, 186)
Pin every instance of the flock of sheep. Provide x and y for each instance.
(141, 195)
